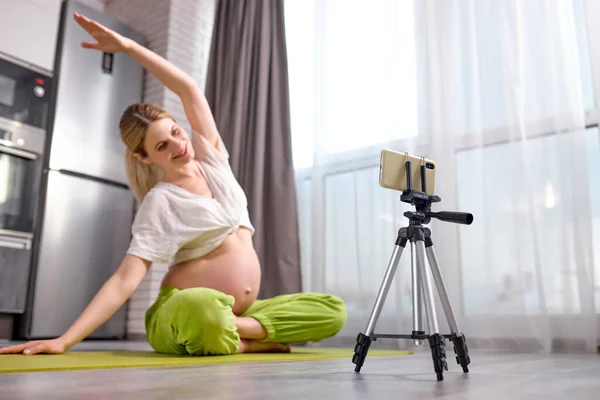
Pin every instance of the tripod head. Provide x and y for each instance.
(422, 202)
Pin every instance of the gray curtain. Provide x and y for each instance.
(247, 88)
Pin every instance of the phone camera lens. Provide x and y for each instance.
(429, 166)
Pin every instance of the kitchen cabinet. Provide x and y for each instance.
(29, 29)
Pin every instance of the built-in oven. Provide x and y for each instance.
(24, 105)
(24, 92)
(21, 150)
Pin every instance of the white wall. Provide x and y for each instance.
(28, 29)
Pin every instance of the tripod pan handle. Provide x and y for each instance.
(453, 216)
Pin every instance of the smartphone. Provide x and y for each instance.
(392, 171)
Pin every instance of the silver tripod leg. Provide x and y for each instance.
(441, 287)
(384, 289)
(417, 295)
(425, 275)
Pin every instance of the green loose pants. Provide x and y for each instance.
(200, 321)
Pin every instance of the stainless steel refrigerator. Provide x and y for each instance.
(86, 207)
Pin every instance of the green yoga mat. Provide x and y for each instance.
(123, 359)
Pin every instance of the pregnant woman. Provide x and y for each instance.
(192, 212)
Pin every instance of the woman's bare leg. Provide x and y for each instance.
(250, 328)
(251, 331)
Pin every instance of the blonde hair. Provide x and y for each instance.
(134, 125)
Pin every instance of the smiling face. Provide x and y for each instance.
(156, 147)
(167, 145)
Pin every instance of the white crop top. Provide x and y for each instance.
(173, 223)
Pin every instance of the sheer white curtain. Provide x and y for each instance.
(502, 96)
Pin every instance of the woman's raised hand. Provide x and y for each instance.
(107, 40)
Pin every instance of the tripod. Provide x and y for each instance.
(421, 246)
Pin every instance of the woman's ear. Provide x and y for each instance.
(145, 160)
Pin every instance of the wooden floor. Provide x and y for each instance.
(492, 376)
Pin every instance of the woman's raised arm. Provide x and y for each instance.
(195, 105)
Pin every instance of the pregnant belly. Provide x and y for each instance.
(233, 268)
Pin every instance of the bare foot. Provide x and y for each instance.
(253, 346)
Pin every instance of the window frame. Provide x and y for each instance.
(365, 158)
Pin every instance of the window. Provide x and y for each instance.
(352, 74)
(300, 41)
(495, 51)
(499, 253)
(359, 79)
